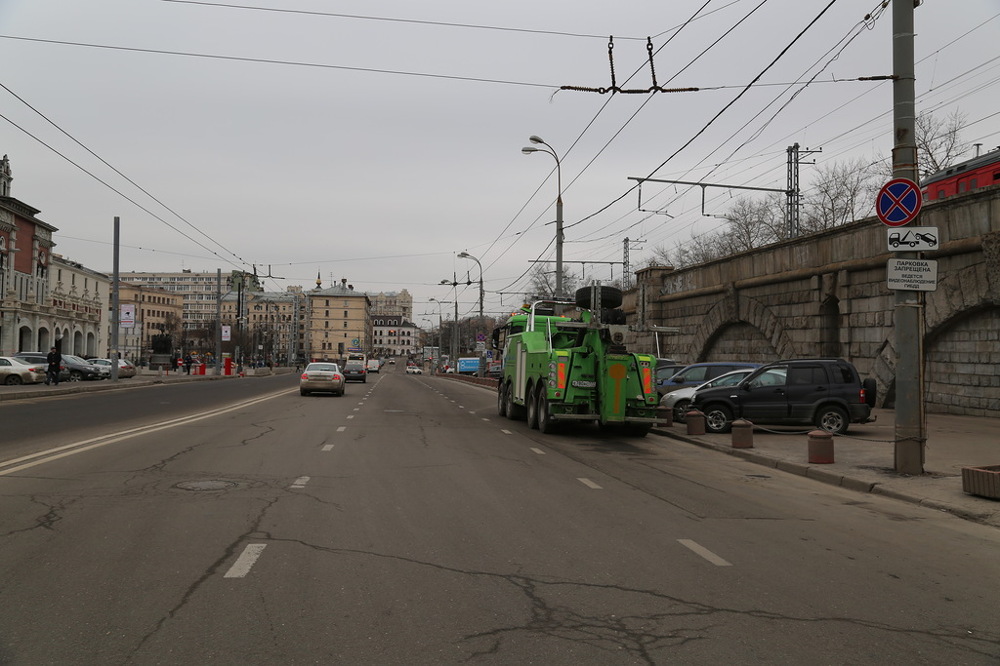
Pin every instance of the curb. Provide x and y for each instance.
(837, 479)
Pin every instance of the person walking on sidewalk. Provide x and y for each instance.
(54, 359)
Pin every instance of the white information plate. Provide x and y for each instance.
(912, 274)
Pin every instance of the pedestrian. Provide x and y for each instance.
(188, 361)
(54, 359)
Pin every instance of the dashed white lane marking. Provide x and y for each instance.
(327, 447)
(341, 428)
(538, 451)
(589, 483)
(300, 482)
(241, 567)
(357, 409)
(350, 416)
(506, 432)
(461, 407)
(487, 420)
(704, 552)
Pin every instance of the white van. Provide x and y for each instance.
(373, 365)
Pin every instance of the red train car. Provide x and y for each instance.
(963, 177)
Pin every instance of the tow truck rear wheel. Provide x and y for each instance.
(531, 398)
(546, 424)
(502, 400)
(515, 412)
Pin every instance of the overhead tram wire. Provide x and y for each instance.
(289, 63)
(729, 104)
(117, 171)
(580, 137)
(118, 192)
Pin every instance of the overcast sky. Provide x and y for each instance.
(375, 141)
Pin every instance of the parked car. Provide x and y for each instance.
(680, 400)
(125, 369)
(355, 371)
(414, 370)
(699, 373)
(14, 371)
(41, 358)
(322, 377)
(81, 369)
(827, 393)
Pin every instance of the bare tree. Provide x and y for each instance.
(939, 144)
(844, 192)
(542, 283)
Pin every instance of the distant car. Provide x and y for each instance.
(15, 371)
(374, 365)
(414, 370)
(322, 377)
(125, 369)
(355, 371)
(392, 361)
(41, 358)
(699, 373)
(680, 400)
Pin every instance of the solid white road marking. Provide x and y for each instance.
(704, 552)
(48, 455)
(589, 483)
(538, 451)
(328, 447)
(300, 482)
(241, 567)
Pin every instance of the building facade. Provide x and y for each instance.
(398, 303)
(392, 335)
(337, 322)
(156, 311)
(198, 292)
(45, 300)
(270, 328)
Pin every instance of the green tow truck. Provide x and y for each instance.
(560, 368)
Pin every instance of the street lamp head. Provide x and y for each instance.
(527, 150)
(534, 138)
(445, 282)
(463, 255)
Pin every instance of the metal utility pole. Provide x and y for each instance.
(115, 307)
(218, 321)
(911, 433)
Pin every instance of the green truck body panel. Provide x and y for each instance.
(576, 370)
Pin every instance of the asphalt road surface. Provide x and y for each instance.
(237, 522)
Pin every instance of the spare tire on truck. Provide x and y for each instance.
(611, 297)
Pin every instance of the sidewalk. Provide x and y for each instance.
(864, 459)
(144, 378)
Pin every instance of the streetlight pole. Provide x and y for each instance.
(559, 207)
(466, 255)
(440, 327)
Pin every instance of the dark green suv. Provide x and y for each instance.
(825, 392)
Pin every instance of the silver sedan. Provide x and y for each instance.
(680, 400)
(14, 371)
(321, 377)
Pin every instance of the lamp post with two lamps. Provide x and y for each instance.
(441, 324)
(527, 150)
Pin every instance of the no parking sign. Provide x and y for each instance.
(898, 202)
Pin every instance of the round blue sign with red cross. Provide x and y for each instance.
(898, 202)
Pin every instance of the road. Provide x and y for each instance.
(236, 522)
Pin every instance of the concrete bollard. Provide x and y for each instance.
(695, 422)
(820, 447)
(742, 434)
